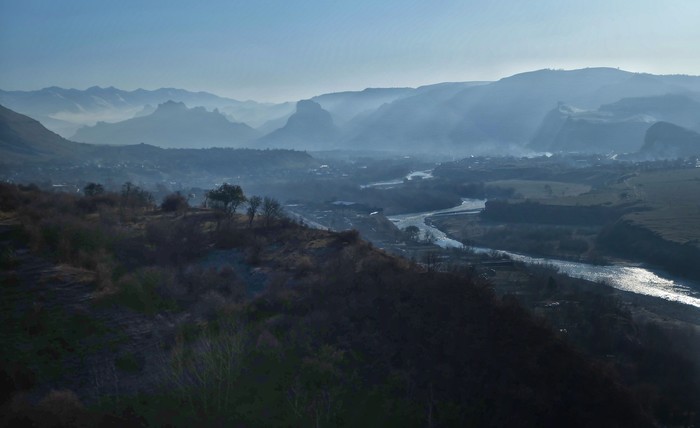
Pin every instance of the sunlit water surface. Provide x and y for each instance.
(634, 279)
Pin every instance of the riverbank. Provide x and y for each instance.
(575, 243)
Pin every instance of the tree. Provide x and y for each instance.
(412, 233)
(271, 210)
(548, 190)
(227, 197)
(174, 202)
(253, 205)
(429, 237)
(134, 196)
(93, 189)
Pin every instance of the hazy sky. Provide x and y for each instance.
(286, 49)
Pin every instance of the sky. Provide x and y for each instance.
(282, 50)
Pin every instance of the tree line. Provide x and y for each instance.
(226, 199)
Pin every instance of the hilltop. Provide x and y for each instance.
(203, 319)
(310, 127)
(665, 140)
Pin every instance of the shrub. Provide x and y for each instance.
(91, 204)
(142, 291)
(228, 235)
(70, 240)
(175, 241)
(174, 202)
(349, 236)
(93, 189)
(133, 196)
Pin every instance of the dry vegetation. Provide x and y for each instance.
(200, 318)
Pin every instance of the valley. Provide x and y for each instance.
(376, 225)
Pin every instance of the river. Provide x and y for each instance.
(633, 279)
(413, 175)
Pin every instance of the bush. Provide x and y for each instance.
(174, 202)
(91, 204)
(349, 236)
(143, 291)
(175, 241)
(70, 240)
(133, 196)
(93, 189)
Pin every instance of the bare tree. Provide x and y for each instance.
(254, 203)
(271, 210)
(93, 189)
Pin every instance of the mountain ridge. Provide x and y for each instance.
(172, 125)
(23, 138)
(499, 117)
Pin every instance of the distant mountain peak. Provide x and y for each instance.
(171, 125)
(310, 126)
(308, 106)
(172, 105)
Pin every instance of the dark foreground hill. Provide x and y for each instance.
(23, 138)
(153, 318)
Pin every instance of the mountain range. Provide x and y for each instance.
(64, 111)
(172, 125)
(620, 126)
(585, 110)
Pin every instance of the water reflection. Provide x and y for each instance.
(633, 279)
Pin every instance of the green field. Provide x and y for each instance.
(666, 202)
(539, 189)
(674, 199)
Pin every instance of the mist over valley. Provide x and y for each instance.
(395, 214)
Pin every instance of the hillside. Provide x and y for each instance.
(23, 138)
(682, 110)
(618, 127)
(418, 122)
(310, 127)
(273, 325)
(344, 106)
(668, 141)
(172, 125)
(503, 115)
(570, 130)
